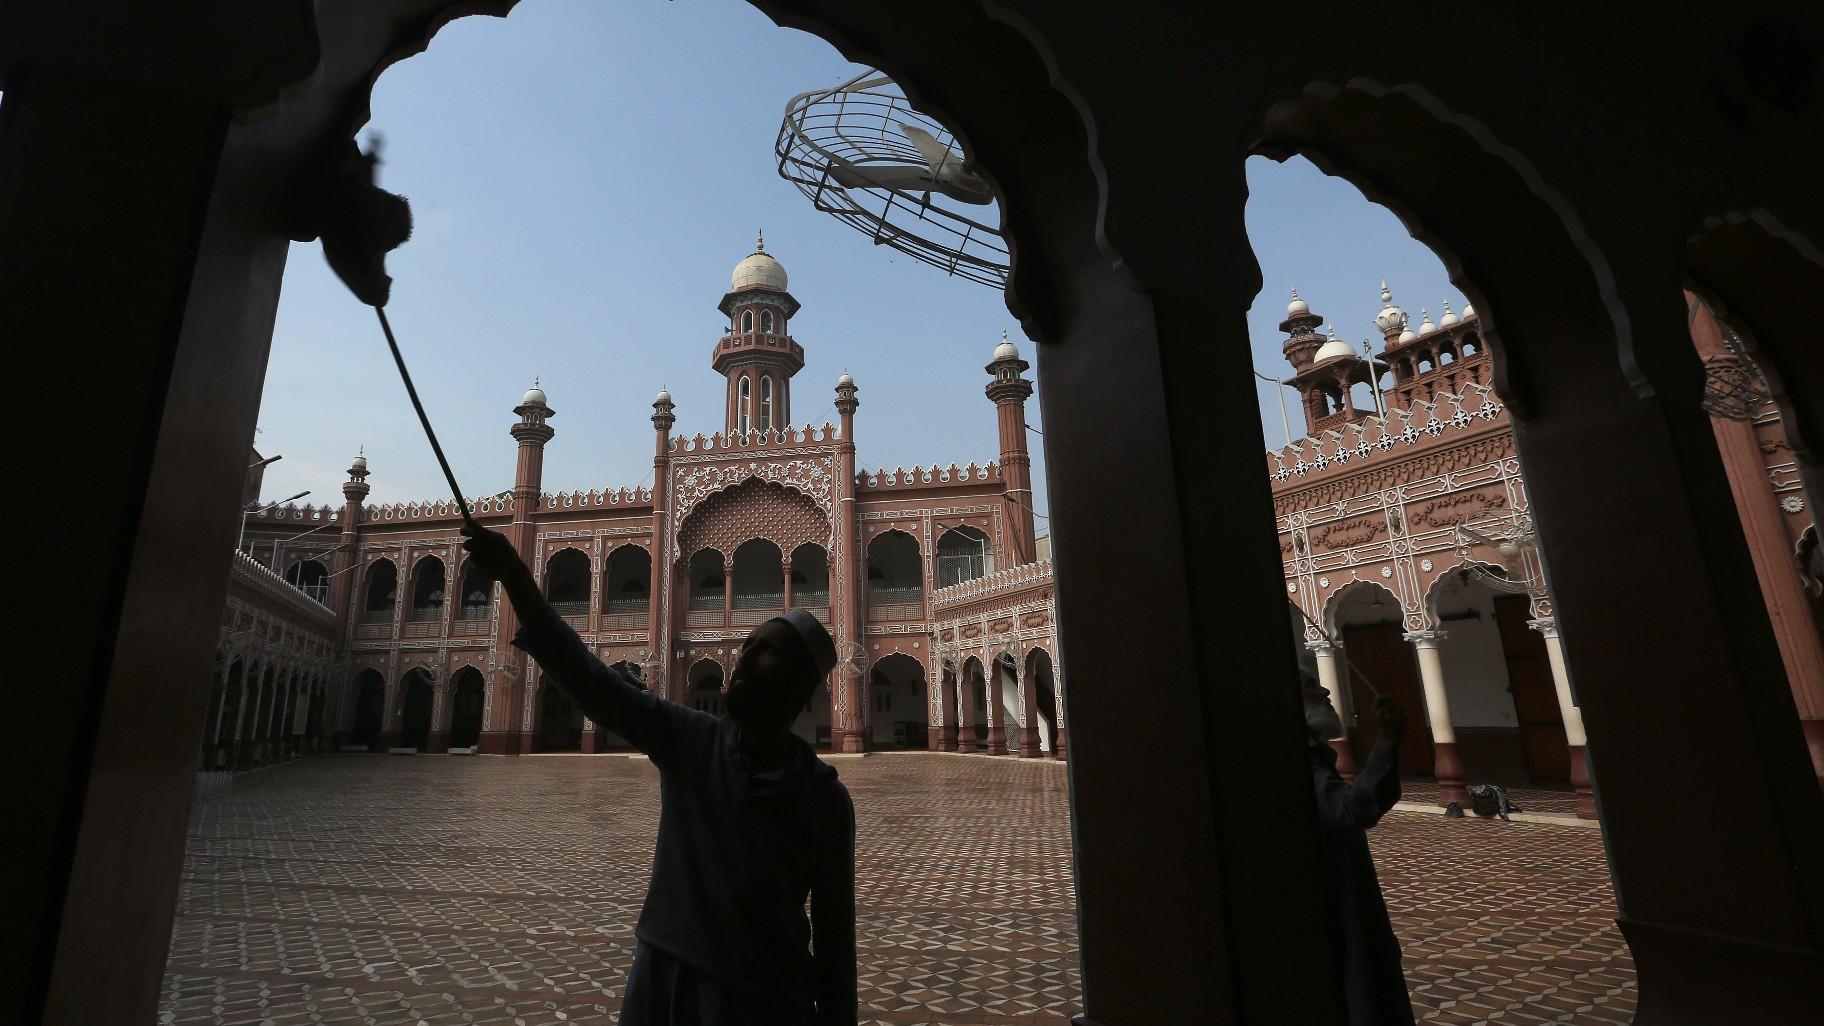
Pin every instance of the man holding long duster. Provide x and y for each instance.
(751, 824)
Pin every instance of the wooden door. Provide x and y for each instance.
(1529, 674)
(1380, 653)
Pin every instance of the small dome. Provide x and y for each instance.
(1468, 311)
(1006, 350)
(1449, 318)
(1425, 325)
(1297, 306)
(845, 381)
(1332, 349)
(758, 271)
(535, 396)
(1391, 318)
(360, 461)
(1408, 335)
(664, 396)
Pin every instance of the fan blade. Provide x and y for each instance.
(935, 153)
(901, 177)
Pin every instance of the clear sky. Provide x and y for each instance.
(584, 176)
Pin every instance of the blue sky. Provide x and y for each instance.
(585, 175)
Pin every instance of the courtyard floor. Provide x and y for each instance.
(375, 890)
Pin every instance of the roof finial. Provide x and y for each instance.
(1295, 292)
(1003, 334)
(534, 381)
(1386, 296)
(760, 241)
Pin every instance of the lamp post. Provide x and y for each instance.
(262, 509)
(1285, 423)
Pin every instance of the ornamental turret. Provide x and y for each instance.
(758, 355)
(1302, 339)
(1009, 390)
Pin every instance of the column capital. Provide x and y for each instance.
(1546, 625)
(1322, 646)
(1424, 639)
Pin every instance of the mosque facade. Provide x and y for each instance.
(1405, 530)
(928, 579)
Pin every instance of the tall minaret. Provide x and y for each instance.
(1010, 390)
(663, 590)
(354, 492)
(757, 356)
(504, 734)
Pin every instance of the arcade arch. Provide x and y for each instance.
(369, 709)
(628, 588)
(759, 576)
(963, 554)
(477, 593)
(310, 577)
(467, 699)
(417, 699)
(810, 577)
(703, 687)
(899, 710)
(381, 592)
(895, 580)
(706, 580)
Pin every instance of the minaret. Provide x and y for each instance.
(354, 493)
(504, 734)
(1010, 390)
(1300, 326)
(845, 566)
(663, 588)
(757, 356)
(1324, 368)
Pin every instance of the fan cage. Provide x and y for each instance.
(857, 125)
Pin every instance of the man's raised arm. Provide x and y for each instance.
(600, 691)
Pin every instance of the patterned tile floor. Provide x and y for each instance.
(355, 889)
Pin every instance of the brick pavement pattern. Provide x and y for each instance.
(442, 890)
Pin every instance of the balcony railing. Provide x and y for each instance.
(420, 613)
(568, 609)
(377, 615)
(761, 600)
(820, 597)
(628, 605)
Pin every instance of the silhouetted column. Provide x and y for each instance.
(1571, 715)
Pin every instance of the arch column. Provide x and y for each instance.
(728, 592)
(1573, 717)
(997, 708)
(1029, 714)
(1329, 675)
(785, 570)
(1446, 765)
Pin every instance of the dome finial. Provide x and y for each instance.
(1297, 306)
(1386, 295)
(760, 241)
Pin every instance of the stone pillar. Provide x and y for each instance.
(786, 572)
(1329, 675)
(997, 709)
(728, 592)
(1029, 716)
(850, 734)
(662, 592)
(1446, 765)
(1572, 716)
(966, 736)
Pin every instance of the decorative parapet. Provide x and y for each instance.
(755, 441)
(292, 513)
(441, 509)
(630, 497)
(1000, 583)
(1364, 440)
(928, 477)
(252, 574)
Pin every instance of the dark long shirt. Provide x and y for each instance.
(738, 853)
(1361, 935)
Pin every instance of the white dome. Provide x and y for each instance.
(1408, 335)
(360, 461)
(1449, 318)
(758, 271)
(1391, 318)
(1297, 306)
(664, 396)
(845, 381)
(1425, 325)
(535, 396)
(1006, 350)
(1332, 349)
(1468, 311)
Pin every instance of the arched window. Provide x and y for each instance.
(382, 592)
(629, 588)
(427, 589)
(766, 321)
(895, 585)
(567, 582)
(310, 577)
(744, 407)
(706, 580)
(747, 320)
(759, 580)
(766, 403)
(477, 593)
(810, 576)
(962, 555)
